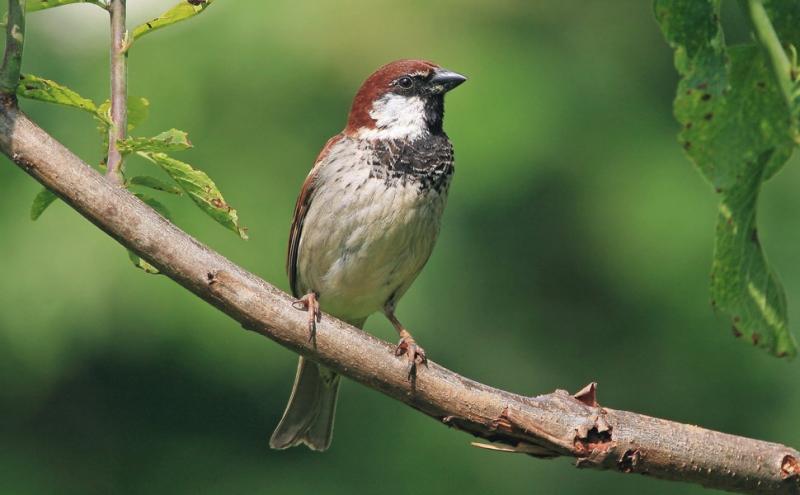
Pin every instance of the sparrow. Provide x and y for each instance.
(365, 224)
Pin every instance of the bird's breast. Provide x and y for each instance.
(370, 228)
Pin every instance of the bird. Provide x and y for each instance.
(364, 225)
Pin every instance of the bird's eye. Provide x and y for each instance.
(405, 82)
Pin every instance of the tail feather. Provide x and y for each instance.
(309, 415)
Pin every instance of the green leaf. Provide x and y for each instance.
(34, 5)
(690, 26)
(736, 130)
(142, 264)
(201, 189)
(40, 203)
(171, 140)
(184, 10)
(153, 183)
(138, 110)
(742, 283)
(37, 88)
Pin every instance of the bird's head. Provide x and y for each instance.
(401, 100)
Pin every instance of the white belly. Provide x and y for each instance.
(363, 242)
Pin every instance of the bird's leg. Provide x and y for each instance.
(407, 345)
(310, 303)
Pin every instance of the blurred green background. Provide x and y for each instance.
(576, 247)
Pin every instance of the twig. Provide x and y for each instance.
(119, 90)
(768, 39)
(15, 38)
(556, 424)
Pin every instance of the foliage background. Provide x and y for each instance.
(576, 247)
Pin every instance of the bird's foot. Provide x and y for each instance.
(413, 352)
(310, 304)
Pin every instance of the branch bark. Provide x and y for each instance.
(556, 424)
(119, 89)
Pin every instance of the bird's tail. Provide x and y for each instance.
(308, 417)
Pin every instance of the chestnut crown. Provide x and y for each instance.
(401, 99)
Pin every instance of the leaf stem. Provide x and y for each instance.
(769, 41)
(15, 38)
(119, 90)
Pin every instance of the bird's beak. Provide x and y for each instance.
(444, 80)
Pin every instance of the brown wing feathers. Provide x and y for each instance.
(299, 216)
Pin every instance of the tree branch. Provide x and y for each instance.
(15, 38)
(119, 89)
(556, 424)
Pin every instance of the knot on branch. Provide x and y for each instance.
(221, 284)
(790, 468)
(593, 441)
(629, 460)
(503, 422)
(219, 280)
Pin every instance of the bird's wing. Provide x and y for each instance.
(300, 210)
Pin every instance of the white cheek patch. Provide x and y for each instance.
(396, 117)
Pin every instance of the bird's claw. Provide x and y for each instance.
(414, 353)
(310, 303)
